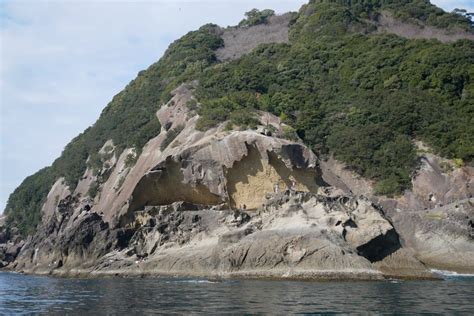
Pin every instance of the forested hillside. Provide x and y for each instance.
(345, 89)
(361, 96)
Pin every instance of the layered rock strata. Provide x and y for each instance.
(250, 203)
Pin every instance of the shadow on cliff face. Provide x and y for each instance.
(380, 247)
(308, 178)
(165, 185)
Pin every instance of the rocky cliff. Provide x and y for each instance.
(247, 203)
(258, 191)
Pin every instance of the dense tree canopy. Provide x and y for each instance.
(363, 98)
(129, 120)
(346, 90)
(255, 17)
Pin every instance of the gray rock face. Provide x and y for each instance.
(441, 237)
(293, 235)
(386, 23)
(246, 203)
(9, 251)
(70, 237)
(240, 41)
(9, 245)
(217, 166)
(434, 218)
(234, 167)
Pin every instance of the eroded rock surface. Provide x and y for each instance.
(218, 166)
(239, 41)
(244, 203)
(386, 23)
(434, 218)
(292, 235)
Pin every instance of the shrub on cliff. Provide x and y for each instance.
(360, 97)
(346, 91)
(255, 17)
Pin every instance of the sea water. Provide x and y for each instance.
(25, 294)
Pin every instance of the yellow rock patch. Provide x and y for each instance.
(251, 179)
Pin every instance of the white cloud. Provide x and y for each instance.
(449, 5)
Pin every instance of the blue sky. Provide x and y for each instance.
(61, 62)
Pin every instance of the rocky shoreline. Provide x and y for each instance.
(260, 275)
(245, 204)
(264, 245)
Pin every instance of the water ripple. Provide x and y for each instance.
(20, 294)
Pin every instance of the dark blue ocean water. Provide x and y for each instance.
(22, 294)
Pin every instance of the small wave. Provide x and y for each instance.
(451, 274)
(194, 281)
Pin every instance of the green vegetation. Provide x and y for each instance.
(129, 120)
(343, 89)
(237, 106)
(192, 105)
(289, 133)
(24, 204)
(97, 161)
(465, 14)
(131, 159)
(93, 189)
(170, 136)
(420, 12)
(255, 17)
(120, 183)
(458, 163)
(423, 12)
(363, 98)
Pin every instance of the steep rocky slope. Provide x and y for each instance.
(387, 23)
(435, 218)
(239, 41)
(219, 159)
(221, 203)
(210, 206)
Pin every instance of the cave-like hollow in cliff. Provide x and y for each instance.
(246, 183)
(166, 185)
